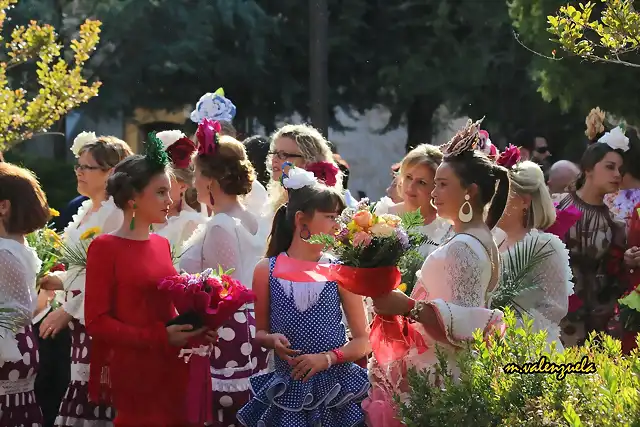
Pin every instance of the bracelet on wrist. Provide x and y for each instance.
(329, 361)
(339, 356)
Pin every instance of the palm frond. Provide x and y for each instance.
(9, 319)
(75, 255)
(519, 273)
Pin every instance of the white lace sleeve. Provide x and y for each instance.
(463, 273)
(14, 295)
(550, 298)
(221, 249)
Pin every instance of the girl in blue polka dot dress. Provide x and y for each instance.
(315, 382)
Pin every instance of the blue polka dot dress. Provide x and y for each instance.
(330, 398)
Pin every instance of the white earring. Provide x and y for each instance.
(465, 217)
(432, 205)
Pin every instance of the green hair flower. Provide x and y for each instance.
(155, 153)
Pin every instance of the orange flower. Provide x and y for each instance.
(363, 219)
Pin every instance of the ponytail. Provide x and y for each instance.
(281, 233)
(500, 198)
(579, 182)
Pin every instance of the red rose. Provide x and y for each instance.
(180, 152)
(509, 157)
(58, 267)
(325, 172)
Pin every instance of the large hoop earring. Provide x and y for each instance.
(305, 234)
(466, 217)
(432, 205)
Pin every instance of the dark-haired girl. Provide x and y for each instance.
(597, 241)
(134, 359)
(23, 209)
(450, 299)
(231, 239)
(96, 158)
(315, 381)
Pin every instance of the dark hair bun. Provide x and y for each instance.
(120, 187)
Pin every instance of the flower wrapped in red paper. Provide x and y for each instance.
(207, 299)
(369, 248)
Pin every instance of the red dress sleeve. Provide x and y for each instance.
(100, 295)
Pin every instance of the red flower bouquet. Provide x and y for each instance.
(207, 299)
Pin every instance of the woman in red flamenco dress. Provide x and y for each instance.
(632, 259)
(134, 361)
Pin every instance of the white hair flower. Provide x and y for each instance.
(298, 178)
(169, 137)
(615, 139)
(81, 140)
(214, 106)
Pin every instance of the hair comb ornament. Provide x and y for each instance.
(295, 178)
(208, 135)
(466, 139)
(154, 152)
(214, 106)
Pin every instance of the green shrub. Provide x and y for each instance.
(486, 395)
(57, 178)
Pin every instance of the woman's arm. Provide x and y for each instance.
(100, 296)
(355, 312)
(260, 288)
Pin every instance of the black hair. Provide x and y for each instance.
(474, 167)
(257, 148)
(308, 200)
(591, 156)
(631, 157)
(130, 177)
(525, 139)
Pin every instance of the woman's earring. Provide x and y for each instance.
(465, 217)
(132, 224)
(305, 234)
(432, 205)
(211, 199)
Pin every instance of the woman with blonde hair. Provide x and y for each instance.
(302, 146)
(415, 184)
(519, 232)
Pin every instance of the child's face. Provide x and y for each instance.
(323, 223)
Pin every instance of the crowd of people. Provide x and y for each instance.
(95, 346)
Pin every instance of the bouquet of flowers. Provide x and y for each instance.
(629, 310)
(206, 299)
(47, 243)
(76, 255)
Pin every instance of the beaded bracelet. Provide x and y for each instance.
(339, 355)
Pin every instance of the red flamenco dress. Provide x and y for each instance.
(132, 364)
(633, 239)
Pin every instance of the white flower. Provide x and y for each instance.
(81, 140)
(615, 139)
(213, 106)
(169, 137)
(382, 229)
(298, 178)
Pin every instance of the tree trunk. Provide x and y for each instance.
(318, 65)
(420, 120)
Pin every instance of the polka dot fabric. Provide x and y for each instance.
(330, 398)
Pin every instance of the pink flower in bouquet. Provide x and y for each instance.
(363, 219)
(362, 238)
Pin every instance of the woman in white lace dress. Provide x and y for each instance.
(97, 156)
(232, 239)
(529, 210)
(450, 300)
(182, 219)
(23, 209)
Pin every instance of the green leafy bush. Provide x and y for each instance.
(57, 178)
(486, 395)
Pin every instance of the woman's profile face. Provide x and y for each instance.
(155, 200)
(448, 192)
(91, 177)
(284, 150)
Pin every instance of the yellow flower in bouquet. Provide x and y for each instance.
(54, 213)
(391, 220)
(52, 237)
(91, 233)
(382, 229)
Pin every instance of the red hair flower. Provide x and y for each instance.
(180, 152)
(509, 157)
(325, 172)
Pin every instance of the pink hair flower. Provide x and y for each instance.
(325, 172)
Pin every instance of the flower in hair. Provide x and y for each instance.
(296, 178)
(214, 106)
(154, 152)
(509, 157)
(324, 171)
(170, 137)
(615, 139)
(595, 123)
(207, 135)
(486, 146)
(180, 152)
(466, 139)
(81, 140)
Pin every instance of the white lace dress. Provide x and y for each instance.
(548, 303)
(19, 266)
(179, 228)
(455, 281)
(224, 241)
(76, 410)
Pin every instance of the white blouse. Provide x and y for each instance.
(179, 228)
